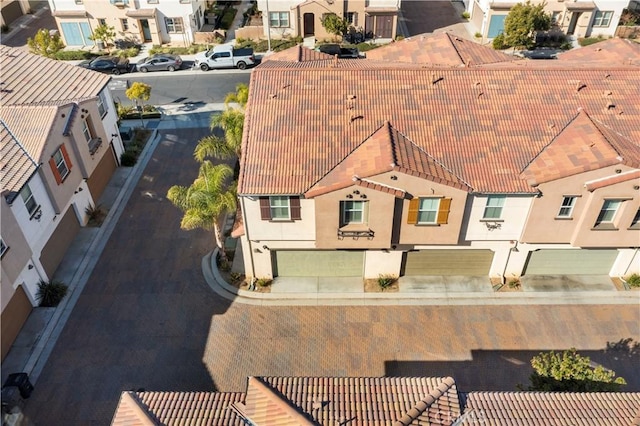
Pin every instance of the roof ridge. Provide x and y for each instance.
(455, 48)
(422, 405)
(278, 399)
(138, 409)
(15, 139)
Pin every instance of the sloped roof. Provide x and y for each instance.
(553, 408)
(439, 49)
(580, 147)
(385, 150)
(16, 165)
(33, 79)
(297, 53)
(485, 125)
(177, 408)
(31, 125)
(615, 51)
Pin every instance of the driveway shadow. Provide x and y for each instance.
(428, 16)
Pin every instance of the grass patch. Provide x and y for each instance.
(263, 45)
(588, 41)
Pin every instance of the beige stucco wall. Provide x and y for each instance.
(18, 254)
(542, 225)
(380, 262)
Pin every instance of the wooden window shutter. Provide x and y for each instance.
(414, 204)
(294, 205)
(65, 155)
(443, 211)
(54, 169)
(265, 208)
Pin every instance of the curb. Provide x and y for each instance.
(221, 287)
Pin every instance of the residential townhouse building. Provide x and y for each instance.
(60, 146)
(451, 160)
(579, 18)
(142, 21)
(303, 18)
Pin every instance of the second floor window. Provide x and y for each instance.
(279, 207)
(429, 211)
(493, 209)
(86, 130)
(29, 200)
(602, 18)
(279, 19)
(635, 222)
(3, 247)
(608, 212)
(174, 25)
(102, 104)
(125, 24)
(61, 164)
(566, 209)
(102, 21)
(353, 212)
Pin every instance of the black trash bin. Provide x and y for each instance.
(20, 381)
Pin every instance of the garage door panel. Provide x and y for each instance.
(13, 318)
(319, 263)
(570, 262)
(59, 242)
(102, 174)
(448, 262)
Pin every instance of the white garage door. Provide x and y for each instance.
(570, 262)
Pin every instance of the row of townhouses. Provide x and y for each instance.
(177, 21)
(60, 145)
(439, 156)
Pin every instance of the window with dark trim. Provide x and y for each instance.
(280, 208)
(125, 24)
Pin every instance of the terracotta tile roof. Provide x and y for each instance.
(385, 150)
(438, 49)
(369, 401)
(552, 408)
(297, 53)
(578, 148)
(17, 166)
(177, 408)
(615, 51)
(612, 180)
(31, 125)
(31, 79)
(484, 125)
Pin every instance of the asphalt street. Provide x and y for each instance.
(147, 320)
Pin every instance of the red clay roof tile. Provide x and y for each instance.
(615, 51)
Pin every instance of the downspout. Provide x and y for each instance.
(246, 232)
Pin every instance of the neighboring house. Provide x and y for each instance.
(302, 18)
(580, 18)
(142, 21)
(60, 145)
(368, 167)
(12, 10)
(373, 401)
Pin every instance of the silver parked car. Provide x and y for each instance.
(160, 62)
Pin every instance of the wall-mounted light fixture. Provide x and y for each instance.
(78, 190)
(265, 247)
(30, 267)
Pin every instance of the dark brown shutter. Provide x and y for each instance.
(412, 218)
(294, 205)
(443, 211)
(54, 169)
(65, 155)
(265, 208)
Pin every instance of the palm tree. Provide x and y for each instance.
(231, 121)
(209, 197)
(241, 96)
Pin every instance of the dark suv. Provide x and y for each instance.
(342, 52)
(107, 64)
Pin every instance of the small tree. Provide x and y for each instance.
(240, 96)
(334, 24)
(522, 22)
(45, 44)
(139, 93)
(103, 33)
(570, 372)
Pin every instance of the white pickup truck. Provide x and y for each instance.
(225, 56)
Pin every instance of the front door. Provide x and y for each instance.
(384, 26)
(573, 23)
(309, 25)
(146, 31)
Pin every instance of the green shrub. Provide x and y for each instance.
(227, 18)
(590, 40)
(128, 53)
(235, 277)
(264, 282)
(633, 280)
(75, 55)
(384, 281)
(498, 42)
(363, 47)
(128, 158)
(514, 283)
(566, 45)
(465, 15)
(51, 293)
(95, 213)
(477, 35)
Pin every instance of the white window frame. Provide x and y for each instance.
(277, 19)
(86, 130)
(635, 222)
(3, 247)
(274, 206)
(495, 203)
(566, 208)
(602, 18)
(174, 25)
(124, 23)
(608, 212)
(423, 209)
(349, 17)
(103, 107)
(61, 165)
(29, 200)
(356, 206)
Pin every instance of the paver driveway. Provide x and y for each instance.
(146, 319)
